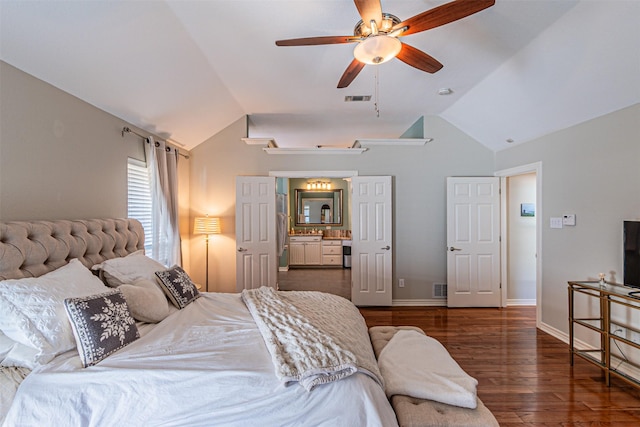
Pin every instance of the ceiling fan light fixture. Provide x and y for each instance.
(377, 49)
(363, 29)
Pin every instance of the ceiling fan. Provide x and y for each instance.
(377, 35)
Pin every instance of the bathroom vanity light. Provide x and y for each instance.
(318, 185)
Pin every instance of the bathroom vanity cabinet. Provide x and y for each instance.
(305, 250)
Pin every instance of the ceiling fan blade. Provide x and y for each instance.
(309, 41)
(350, 73)
(418, 59)
(370, 10)
(442, 15)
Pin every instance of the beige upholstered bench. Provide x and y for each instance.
(413, 412)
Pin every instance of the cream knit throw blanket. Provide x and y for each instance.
(313, 337)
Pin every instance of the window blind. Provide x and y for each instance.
(139, 198)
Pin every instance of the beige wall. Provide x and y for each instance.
(62, 158)
(59, 156)
(590, 170)
(419, 196)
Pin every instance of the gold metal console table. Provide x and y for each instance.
(612, 332)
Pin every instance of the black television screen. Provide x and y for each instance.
(632, 253)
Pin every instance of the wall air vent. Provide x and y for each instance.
(439, 290)
(357, 98)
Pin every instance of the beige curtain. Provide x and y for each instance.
(162, 161)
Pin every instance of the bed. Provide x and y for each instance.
(208, 359)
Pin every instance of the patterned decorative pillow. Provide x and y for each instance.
(178, 286)
(102, 324)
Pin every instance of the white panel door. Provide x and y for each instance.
(371, 256)
(256, 256)
(473, 242)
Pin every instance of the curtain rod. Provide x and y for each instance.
(127, 129)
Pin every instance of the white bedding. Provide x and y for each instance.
(192, 369)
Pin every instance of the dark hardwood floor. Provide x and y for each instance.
(524, 374)
(335, 281)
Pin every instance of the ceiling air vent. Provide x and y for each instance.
(357, 98)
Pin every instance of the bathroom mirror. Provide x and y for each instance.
(315, 208)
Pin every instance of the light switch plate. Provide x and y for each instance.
(555, 222)
(569, 219)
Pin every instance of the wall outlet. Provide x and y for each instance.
(401, 283)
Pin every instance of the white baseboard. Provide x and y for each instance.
(628, 368)
(562, 336)
(442, 302)
(521, 302)
(434, 302)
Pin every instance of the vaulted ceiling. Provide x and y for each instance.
(187, 69)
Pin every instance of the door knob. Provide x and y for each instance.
(386, 248)
(242, 250)
(454, 249)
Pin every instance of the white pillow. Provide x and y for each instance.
(6, 344)
(32, 310)
(137, 265)
(12, 353)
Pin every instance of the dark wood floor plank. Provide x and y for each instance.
(524, 375)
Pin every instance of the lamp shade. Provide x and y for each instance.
(206, 225)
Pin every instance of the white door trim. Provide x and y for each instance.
(520, 170)
(504, 273)
(313, 174)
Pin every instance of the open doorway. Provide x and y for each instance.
(323, 269)
(370, 248)
(521, 228)
(258, 238)
(521, 239)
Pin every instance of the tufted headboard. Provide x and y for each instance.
(33, 248)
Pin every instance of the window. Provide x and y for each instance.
(139, 201)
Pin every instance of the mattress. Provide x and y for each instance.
(204, 365)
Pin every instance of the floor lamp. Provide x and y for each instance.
(206, 225)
